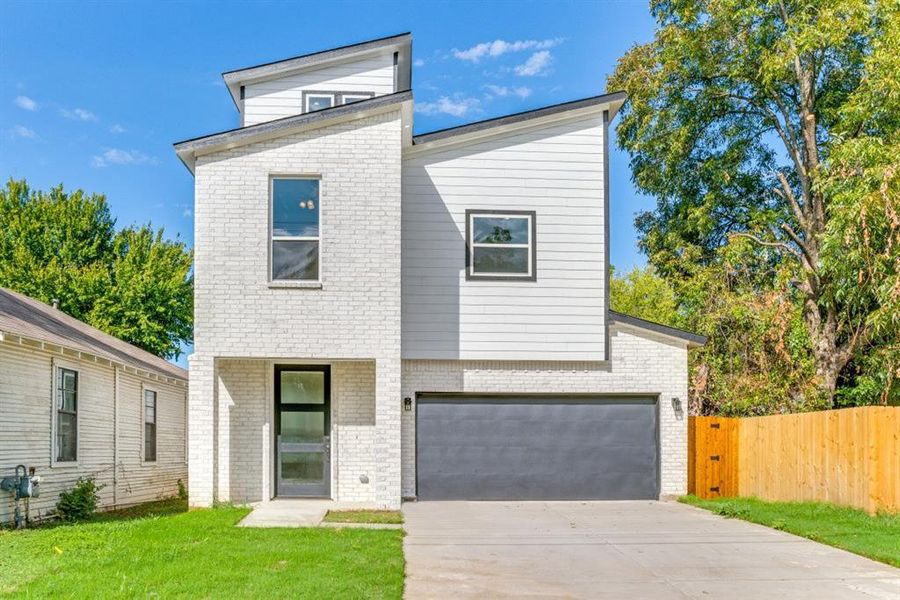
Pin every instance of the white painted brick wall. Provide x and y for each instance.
(353, 430)
(641, 363)
(355, 314)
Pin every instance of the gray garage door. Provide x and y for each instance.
(536, 448)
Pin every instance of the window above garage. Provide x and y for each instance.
(500, 245)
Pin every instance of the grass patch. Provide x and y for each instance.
(876, 537)
(159, 550)
(381, 517)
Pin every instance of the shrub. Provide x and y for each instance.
(182, 490)
(80, 502)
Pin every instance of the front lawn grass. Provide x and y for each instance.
(382, 517)
(157, 551)
(877, 537)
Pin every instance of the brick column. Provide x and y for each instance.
(201, 430)
(388, 407)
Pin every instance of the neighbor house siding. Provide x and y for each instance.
(642, 363)
(283, 97)
(26, 415)
(555, 170)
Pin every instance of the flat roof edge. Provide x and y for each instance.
(312, 58)
(545, 111)
(687, 336)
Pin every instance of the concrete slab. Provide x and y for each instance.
(647, 550)
(295, 512)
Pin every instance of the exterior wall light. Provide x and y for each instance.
(407, 404)
(676, 405)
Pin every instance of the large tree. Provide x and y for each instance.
(132, 283)
(737, 112)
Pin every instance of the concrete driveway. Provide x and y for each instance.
(621, 550)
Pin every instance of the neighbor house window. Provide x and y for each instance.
(500, 245)
(66, 415)
(319, 101)
(149, 425)
(295, 229)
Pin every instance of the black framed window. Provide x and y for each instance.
(66, 415)
(500, 245)
(295, 229)
(150, 414)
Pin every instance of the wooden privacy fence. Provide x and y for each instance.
(849, 456)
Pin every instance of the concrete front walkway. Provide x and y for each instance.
(622, 550)
(295, 512)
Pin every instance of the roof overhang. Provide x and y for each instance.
(693, 340)
(401, 43)
(189, 150)
(36, 343)
(595, 105)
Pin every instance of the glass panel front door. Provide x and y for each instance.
(302, 417)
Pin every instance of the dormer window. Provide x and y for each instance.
(314, 100)
(351, 98)
(319, 101)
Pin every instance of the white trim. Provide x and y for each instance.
(311, 95)
(297, 283)
(55, 365)
(473, 244)
(144, 389)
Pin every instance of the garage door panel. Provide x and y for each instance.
(536, 448)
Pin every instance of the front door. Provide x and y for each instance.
(302, 426)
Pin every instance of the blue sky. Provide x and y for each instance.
(93, 95)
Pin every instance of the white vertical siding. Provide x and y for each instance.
(283, 97)
(555, 170)
(26, 413)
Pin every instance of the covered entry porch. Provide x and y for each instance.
(299, 428)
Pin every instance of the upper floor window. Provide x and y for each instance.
(295, 229)
(350, 98)
(66, 415)
(500, 245)
(315, 101)
(149, 426)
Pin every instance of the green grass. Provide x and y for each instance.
(384, 517)
(159, 550)
(877, 537)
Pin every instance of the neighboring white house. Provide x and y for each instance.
(77, 402)
(381, 315)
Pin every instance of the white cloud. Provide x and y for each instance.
(116, 129)
(116, 156)
(501, 47)
(78, 114)
(26, 103)
(502, 91)
(23, 132)
(537, 64)
(419, 62)
(457, 107)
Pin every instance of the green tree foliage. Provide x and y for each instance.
(760, 128)
(132, 283)
(644, 294)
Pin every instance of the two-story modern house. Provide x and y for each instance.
(382, 315)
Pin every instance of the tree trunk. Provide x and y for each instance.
(830, 356)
